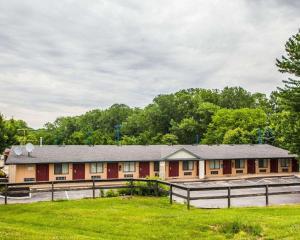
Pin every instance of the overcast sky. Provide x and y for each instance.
(61, 58)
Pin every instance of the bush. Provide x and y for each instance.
(238, 227)
(2, 174)
(124, 191)
(111, 193)
(145, 189)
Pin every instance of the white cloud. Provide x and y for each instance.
(67, 57)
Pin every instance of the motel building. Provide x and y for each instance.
(176, 162)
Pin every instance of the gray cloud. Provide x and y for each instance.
(66, 57)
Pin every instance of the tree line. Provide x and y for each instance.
(232, 115)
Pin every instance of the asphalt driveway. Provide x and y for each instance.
(245, 201)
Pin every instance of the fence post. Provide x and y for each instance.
(131, 187)
(93, 188)
(100, 189)
(52, 191)
(5, 194)
(229, 197)
(156, 188)
(267, 195)
(188, 198)
(171, 193)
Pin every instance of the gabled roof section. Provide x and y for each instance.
(181, 154)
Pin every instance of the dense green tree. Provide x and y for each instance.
(245, 119)
(235, 98)
(169, 139)
(237, 136)
(186, 130)
(3, 136)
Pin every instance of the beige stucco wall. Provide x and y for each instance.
(24, 171)
(208, 170)
(12, 173)
(52, 176)
(88, 174)
(17, 173)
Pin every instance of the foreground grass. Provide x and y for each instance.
(144, 218)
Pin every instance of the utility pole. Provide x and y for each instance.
(117, 133)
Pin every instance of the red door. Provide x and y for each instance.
(295, 165)
(251, 166)
(42, 172)
(144, 169)
(274, 165)
(78, 171)
(173, 169)
(112, 170)
(226, 166)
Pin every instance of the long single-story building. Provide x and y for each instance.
(74, 162)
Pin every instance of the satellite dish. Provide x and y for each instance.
(29, 147)
(18, 150)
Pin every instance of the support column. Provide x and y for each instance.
(201, 169)
(162, 170)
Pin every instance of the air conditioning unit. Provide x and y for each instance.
(239, 171)
(156, 174)
(187, 173)
(128, 175)
(29, 179)
(214, 172)
(60, 178)
(96, 177)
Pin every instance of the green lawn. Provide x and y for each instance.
(144, 218)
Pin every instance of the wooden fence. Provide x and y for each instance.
(101, 184)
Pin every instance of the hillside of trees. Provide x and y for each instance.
(231, 115)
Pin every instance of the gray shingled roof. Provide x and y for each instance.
(84, 153)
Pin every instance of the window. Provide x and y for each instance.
(129, 166)
(284, 162)
(214, 164)
(239, 163)
(262, 163)
(61, 168)
(188, 165)
(96, 167)
(156, 166)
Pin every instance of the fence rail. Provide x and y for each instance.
(129, 183)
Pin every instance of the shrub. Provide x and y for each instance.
(145, 188)
(111, 193)
(2, 174)
(237, 227)
(124, 191)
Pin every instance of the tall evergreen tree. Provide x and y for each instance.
(291, 64)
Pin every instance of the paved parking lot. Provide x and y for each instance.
(211, 203)
(245, 201)
(46, 196)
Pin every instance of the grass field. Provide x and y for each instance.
(144, 218)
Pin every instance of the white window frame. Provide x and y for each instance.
(64, 169)
(190, 165)
(129, 167)
(241, 163)
(265, 165)
(96, 167)
(214, 164)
